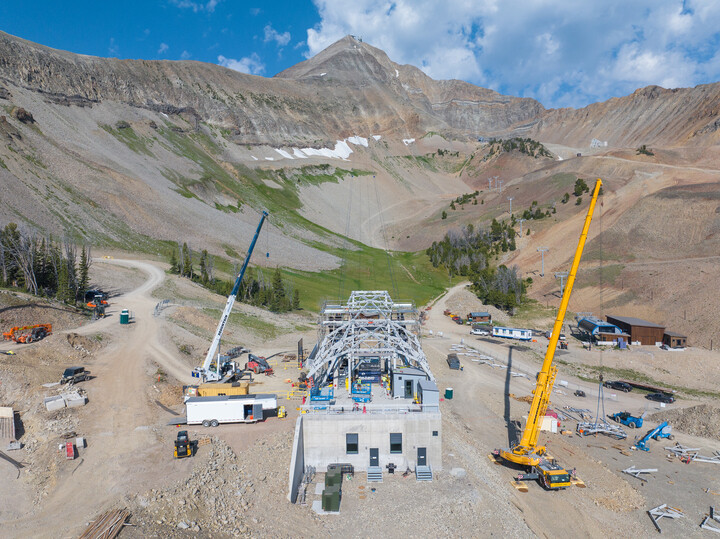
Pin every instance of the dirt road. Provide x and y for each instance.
(124, 452)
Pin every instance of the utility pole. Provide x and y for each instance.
(561, 275)
(490, 184)
(500, 182)
(510, 199)
(542, 250)
(521, 221)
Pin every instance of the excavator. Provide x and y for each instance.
(527, 453)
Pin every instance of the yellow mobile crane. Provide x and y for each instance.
(527, 452)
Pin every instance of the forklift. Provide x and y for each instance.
(183, 445)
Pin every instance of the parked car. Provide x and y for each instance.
(74, 374)
(660, 397)
(478, 331)
(621, 386)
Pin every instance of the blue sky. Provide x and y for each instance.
(561, 52)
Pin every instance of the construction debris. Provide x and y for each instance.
(107, 525)
(711, 522)
(586, 428)
(636, 472)
(666, 511)
(692, 454)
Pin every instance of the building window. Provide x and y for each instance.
(395, 442)
(435, 433)
(351, 443)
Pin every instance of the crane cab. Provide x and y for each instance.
(552, 476)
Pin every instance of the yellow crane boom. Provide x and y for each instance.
(527, 452)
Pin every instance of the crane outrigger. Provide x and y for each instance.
(527, 452)
(205, 372)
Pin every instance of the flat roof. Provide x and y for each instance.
(635, 321)
(479, 313)
(219, 398)
(428, 385)
(675, 334)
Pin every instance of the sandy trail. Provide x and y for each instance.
(124, 453)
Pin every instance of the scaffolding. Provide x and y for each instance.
(368, 330)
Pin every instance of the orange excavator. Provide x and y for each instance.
(28, 334)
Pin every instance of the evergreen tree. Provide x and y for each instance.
(203, 267)
(84, 271)
(296, 299)
(277, 298)
(174, 266)
(63, 284)
(444, 215)
(187, 269)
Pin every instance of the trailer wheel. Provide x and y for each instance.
(28, 339)
(632, 425)
(214, 423)
(671, 437)
(206, 423)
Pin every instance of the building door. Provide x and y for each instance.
(408, 389)
(374, 456)
(422, 456)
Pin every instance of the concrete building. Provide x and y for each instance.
(639, 330)
(374, 403)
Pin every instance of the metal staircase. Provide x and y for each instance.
(374, 474)
(423, 473)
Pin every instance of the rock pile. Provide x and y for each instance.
(695, 420)
(214, 499)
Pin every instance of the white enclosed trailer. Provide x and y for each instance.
(211, 411)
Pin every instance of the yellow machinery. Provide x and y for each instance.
(281, 413)
(527, 452)
(183, 445)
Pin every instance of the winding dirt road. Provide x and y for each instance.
(125, 453)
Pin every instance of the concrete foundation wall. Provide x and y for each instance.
(324, 439)
(297, 461)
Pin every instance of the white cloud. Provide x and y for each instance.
(113, 48)
(208, 6)
(564, 53)
(185, 55)
(249, 64)
(163, 48)
(273, 35)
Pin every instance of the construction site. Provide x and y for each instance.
(392, 405)
(175, 394)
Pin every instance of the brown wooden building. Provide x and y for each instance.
(639, 330)
(674, 340)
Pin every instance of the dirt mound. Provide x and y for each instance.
(82, 343)
(464, 301)
(697, 420)
(20, 310)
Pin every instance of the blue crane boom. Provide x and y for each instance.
(205, 372)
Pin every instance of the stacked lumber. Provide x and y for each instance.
(107, 525)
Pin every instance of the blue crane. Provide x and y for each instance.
(205, 372)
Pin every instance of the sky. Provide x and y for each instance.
(564, 53)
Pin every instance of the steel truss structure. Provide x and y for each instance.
(369, 326)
